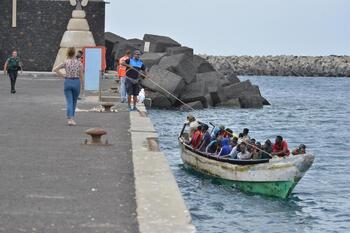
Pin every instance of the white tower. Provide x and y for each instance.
(78, 34)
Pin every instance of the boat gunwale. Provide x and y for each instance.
(224, 160)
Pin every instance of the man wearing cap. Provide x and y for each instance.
(134, 67)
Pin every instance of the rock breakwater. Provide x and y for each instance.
(313, 66)
(174, 69)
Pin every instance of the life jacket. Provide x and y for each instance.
(121, 68)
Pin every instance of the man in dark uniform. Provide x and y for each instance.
(12, 66)
(132, 82)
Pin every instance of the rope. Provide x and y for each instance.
(175, 97)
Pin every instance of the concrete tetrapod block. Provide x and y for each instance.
(159, 100)
(249, 95)
(201, 65)
(151, 59)
(121, 48)
(78, 25)
(180, 50)
(191, 105)
(159, 44)
(180, 64)
(195, 92)
(111, 41)
(77, 39)
(166, 79)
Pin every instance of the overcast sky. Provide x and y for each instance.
(239, 27)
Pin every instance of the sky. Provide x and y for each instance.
(239, 27)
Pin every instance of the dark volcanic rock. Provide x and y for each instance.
(195, 92)
(191, 105)
(249, 95)
(159, 44)
(151, 59)
(201, 65)
(191, 78)
(167, 80)
(159, 100)
(180, 64)
(180, 50)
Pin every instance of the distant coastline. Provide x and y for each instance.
(313, 66)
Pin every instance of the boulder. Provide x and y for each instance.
(166, 79)
(191, 105)
(249, 95)
(232, 103)
(151, 59)
(251, 101)
(137, 43)
(158, 100)
(195, 92)
(159, 44)
(122, 47)
(180, 64)
(180, 50)
(110, 41)
(201, 65)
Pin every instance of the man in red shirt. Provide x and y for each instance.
(197, 137)
(122, 76)
(280, 148)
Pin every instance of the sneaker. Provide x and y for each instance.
(129, 108)
(135, 109)
(13, 91)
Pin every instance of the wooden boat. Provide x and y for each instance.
(272, 177)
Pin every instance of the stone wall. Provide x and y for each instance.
(40, 27)
(318, 66)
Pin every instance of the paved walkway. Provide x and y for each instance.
(49, 181)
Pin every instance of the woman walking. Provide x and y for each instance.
(72, 83)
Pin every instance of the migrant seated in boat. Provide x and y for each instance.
(193, 123)
(205, 139)
(244, 154)
(214, 146)
(197, 137)
(225, 147)
(301, 149)
(218, 131)
(280, 148)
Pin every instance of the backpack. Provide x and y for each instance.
(13, 64)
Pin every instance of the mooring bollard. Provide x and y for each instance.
(96, 135)
(107, 106)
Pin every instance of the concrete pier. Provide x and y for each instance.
(51, 182)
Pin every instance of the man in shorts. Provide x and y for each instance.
(134, 66)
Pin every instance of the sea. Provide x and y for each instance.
(310, 110)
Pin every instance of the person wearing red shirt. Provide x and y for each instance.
(197, 137)
(122, 76)
(280, 148)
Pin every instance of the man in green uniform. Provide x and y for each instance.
(11, 67)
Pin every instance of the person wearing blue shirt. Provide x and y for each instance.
(134, 67)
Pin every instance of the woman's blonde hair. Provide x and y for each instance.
(71, 52)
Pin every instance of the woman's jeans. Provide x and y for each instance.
(123, 95)
(71, 92)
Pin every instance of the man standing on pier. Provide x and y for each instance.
(11, 67)
(134, 68)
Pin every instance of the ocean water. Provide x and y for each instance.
(313, 111)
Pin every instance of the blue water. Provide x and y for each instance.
(313, 111)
